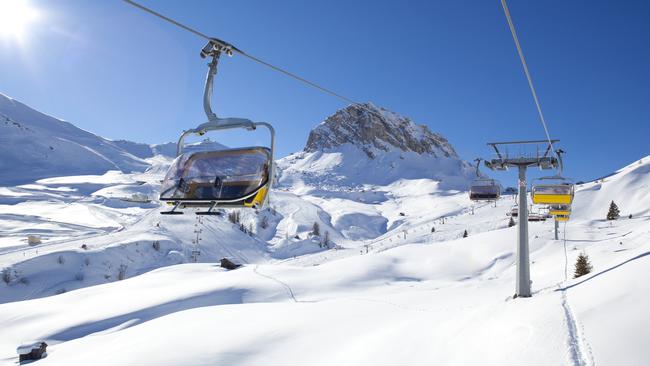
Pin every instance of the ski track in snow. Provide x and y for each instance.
(282, 283)
(579, 350)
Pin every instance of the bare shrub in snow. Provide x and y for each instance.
(6, 275)
(121, 272)
(325, 243)
(60, 259)
(79, 276)
(156, 245)
(315, 229)
(234, 217)
(264, 223)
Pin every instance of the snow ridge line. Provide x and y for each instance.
(283, 284)
(580, 352)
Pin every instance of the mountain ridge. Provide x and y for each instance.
(35, 145)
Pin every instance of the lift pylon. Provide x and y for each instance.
(542, 158)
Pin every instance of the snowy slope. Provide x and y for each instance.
(34, 146)
(415, 304)
(387, 290)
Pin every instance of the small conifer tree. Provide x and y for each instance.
(433, 229)
(511, 223)
(613, 212)
(583, 266)
(315, 229)
(465, 234)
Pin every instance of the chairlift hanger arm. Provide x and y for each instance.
(478, 162)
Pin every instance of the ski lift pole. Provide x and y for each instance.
(523, 255)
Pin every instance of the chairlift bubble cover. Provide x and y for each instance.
(217, 176)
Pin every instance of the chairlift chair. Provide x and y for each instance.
(560, 192)
(562, 218)
(554, 190)
(559, 210)
(484, 189)
(239, 177)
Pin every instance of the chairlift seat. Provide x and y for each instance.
(562, 218)
(484, 190)
(552, 194)
(228, 178)
(559, 210)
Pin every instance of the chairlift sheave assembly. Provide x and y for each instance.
(484, 189)
(238, 177)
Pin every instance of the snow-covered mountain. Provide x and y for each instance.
(367, 144)
(34, 145)
(374, 129)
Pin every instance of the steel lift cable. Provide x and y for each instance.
(232, 49)
(513, 31)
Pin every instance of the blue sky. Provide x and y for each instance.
(123, 74)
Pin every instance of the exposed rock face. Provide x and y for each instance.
(377, 130)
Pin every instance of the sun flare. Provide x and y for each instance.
(15, 17)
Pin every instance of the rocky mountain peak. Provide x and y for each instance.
(374, 129)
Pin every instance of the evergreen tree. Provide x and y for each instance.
(582, 265)
(315, 229)
(465, 234)
(433, 229)
(613, 212)
(511, 223)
